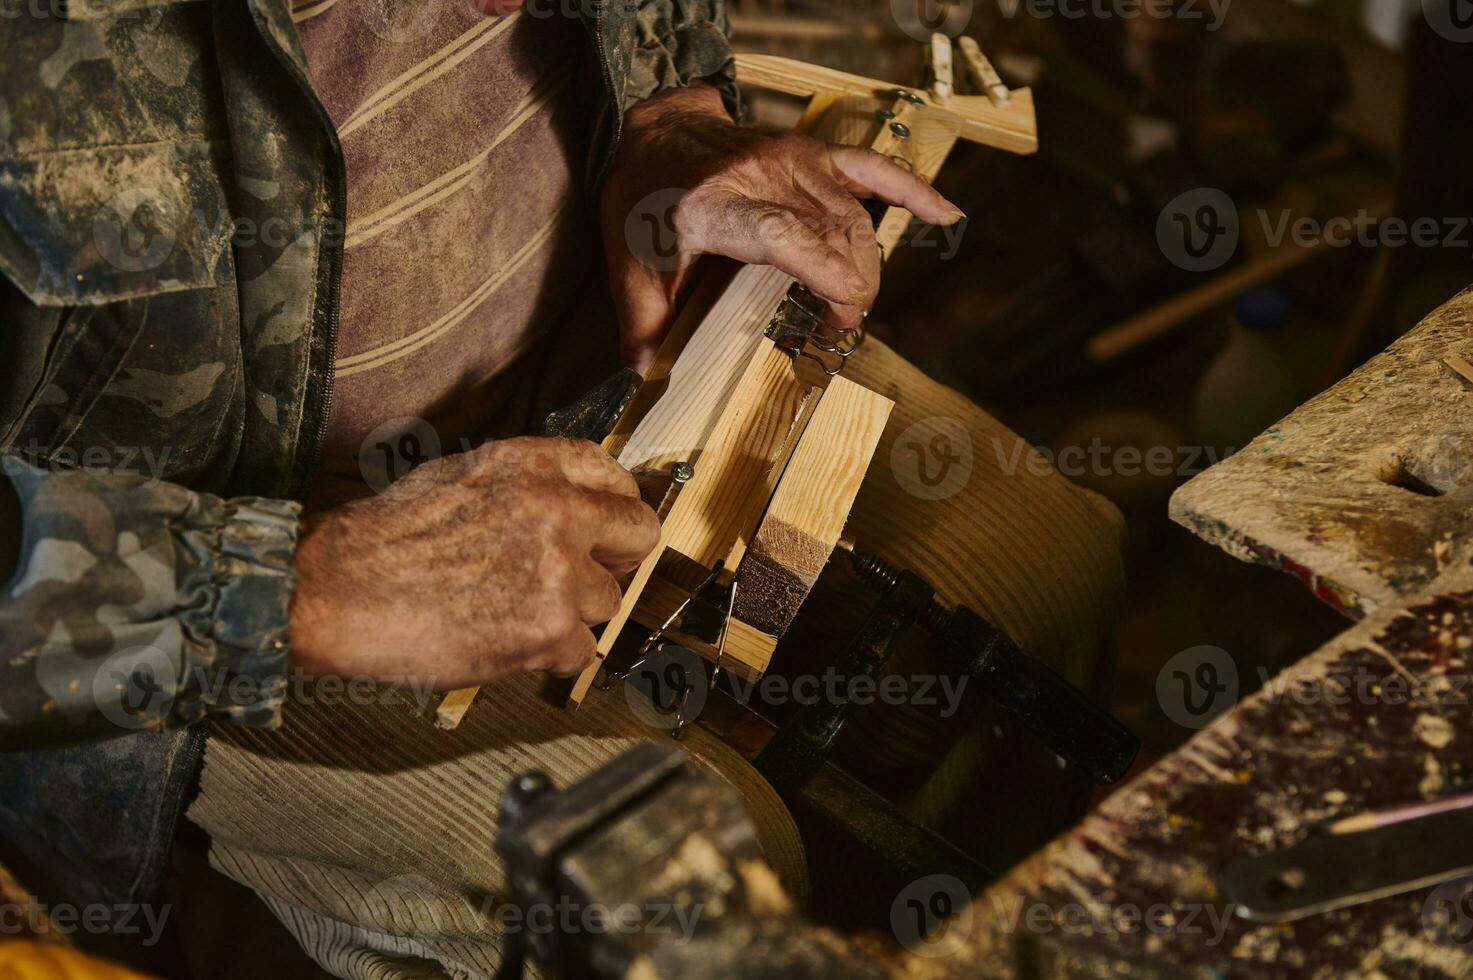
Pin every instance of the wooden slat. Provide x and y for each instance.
(807, 513)
(706, 517)
(700, 383)
(1011, 127)
(454, 705)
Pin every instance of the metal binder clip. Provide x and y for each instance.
(704, 615)
(797, 326)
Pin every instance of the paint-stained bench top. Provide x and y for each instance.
(1366, 491)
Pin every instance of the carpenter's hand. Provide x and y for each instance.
(472, 566)
(687, 181)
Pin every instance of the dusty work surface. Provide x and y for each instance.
(1366, 491)
(1378, 717)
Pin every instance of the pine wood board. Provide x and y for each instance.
(699, 384)
(1011, 127)
(808, 511)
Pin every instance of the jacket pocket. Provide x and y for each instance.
(94, 226)
(114, 156)
(149, 385)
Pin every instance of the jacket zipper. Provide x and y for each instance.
(308, 451)
(608, 77)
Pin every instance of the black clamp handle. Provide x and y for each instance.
(1060, 715)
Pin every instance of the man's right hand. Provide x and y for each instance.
(471, 567)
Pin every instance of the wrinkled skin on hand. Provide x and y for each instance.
(773, 199)
(471, 567)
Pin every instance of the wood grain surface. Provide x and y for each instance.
(1363, 492)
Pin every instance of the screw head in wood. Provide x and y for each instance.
(900, 129)
(909, 96)
(682, 471)
(884, 114)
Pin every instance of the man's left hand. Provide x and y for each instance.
(688, 181)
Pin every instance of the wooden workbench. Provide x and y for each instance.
(1286, 759)
(1364, 492)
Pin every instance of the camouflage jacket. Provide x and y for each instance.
(171, 215)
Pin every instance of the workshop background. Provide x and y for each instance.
(1212, 232)
(1193, 157)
